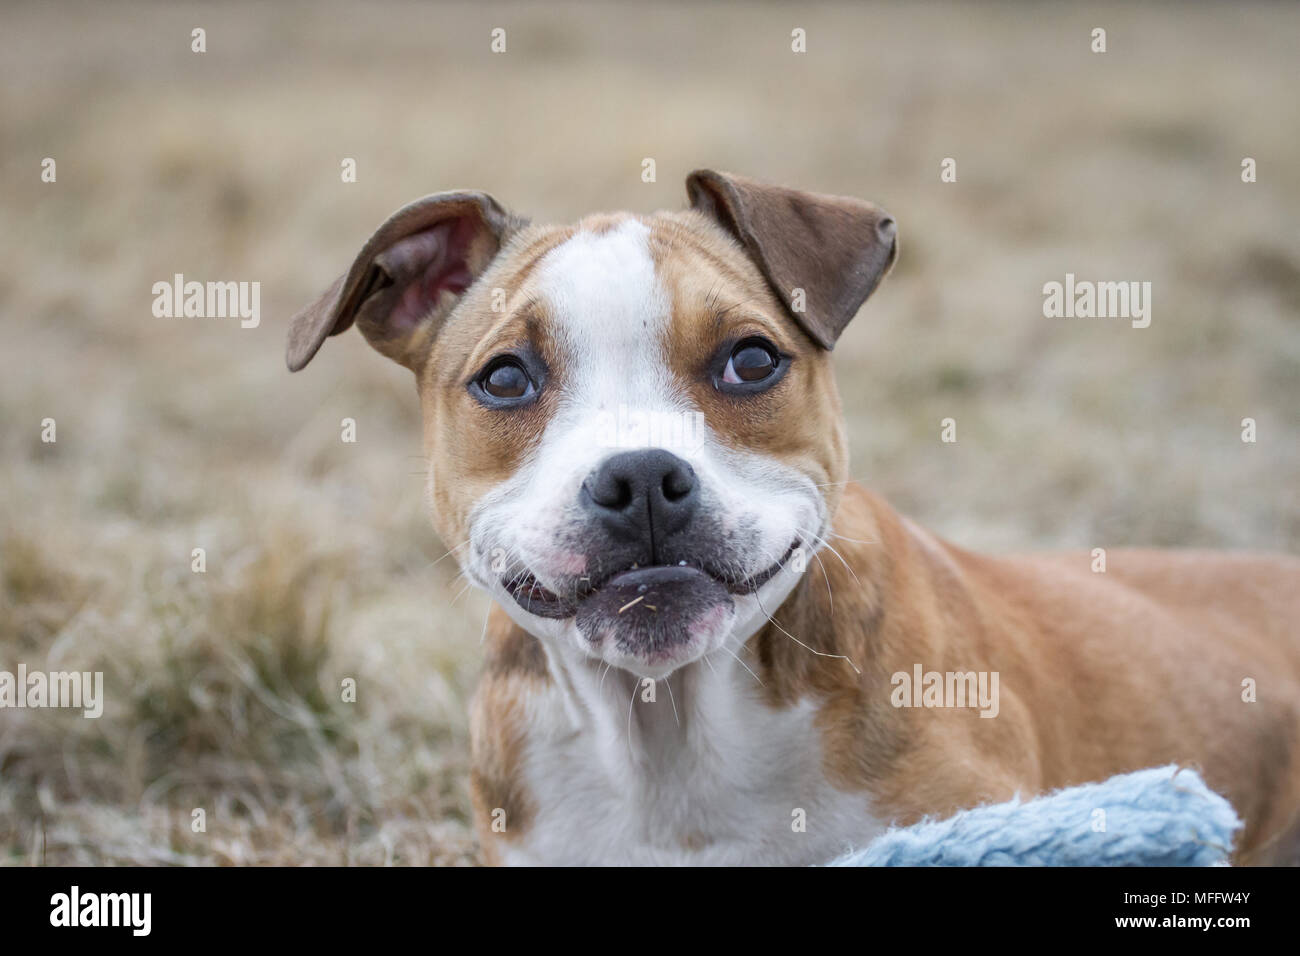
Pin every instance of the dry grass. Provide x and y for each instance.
(223, 688)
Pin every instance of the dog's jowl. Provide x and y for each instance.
(695, 649)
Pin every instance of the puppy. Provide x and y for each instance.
(709, 646)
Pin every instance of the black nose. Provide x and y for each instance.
(642, 497)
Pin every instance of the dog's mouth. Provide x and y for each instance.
(530, 594)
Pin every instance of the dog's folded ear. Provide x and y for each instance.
(822, 255)
(407, 277)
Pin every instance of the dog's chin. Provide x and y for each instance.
(651, 621)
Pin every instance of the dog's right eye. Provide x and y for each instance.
(505, 382)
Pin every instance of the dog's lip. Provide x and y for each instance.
(534, 597)
(755, 581)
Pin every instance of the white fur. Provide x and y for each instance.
(708, 774)
(615, 779)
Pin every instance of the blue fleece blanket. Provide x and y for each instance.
(1164, 816)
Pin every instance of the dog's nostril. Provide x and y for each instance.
(610, 492)
(678, 483)
(621, 495)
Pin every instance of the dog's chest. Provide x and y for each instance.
(726, 780)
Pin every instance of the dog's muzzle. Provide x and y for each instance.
(660, 573)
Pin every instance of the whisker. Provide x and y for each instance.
(743, 664)
(778, 626)
(435, 563)
(468, 584)
(834, 484)
(635, 683)
(669, 685)
(827, 545)
(843, 537)
(829, 597)
(517, 577)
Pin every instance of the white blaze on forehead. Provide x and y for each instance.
(610, 316)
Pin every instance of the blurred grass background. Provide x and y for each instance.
(223, 688)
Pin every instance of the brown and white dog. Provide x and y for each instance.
(704, 631)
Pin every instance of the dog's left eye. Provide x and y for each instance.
(751, 362)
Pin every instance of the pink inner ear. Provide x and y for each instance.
(424, 264)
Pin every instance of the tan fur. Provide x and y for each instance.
(1100, 673)
(514, 669)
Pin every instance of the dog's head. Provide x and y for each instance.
(634, 437)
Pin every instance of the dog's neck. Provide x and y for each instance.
(644, 728)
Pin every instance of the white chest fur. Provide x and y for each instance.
(704, 773)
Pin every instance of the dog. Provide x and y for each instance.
(709, 646)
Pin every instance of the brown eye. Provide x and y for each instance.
(506, 381)
(750, 361)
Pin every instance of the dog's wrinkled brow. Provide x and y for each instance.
(525, 324)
